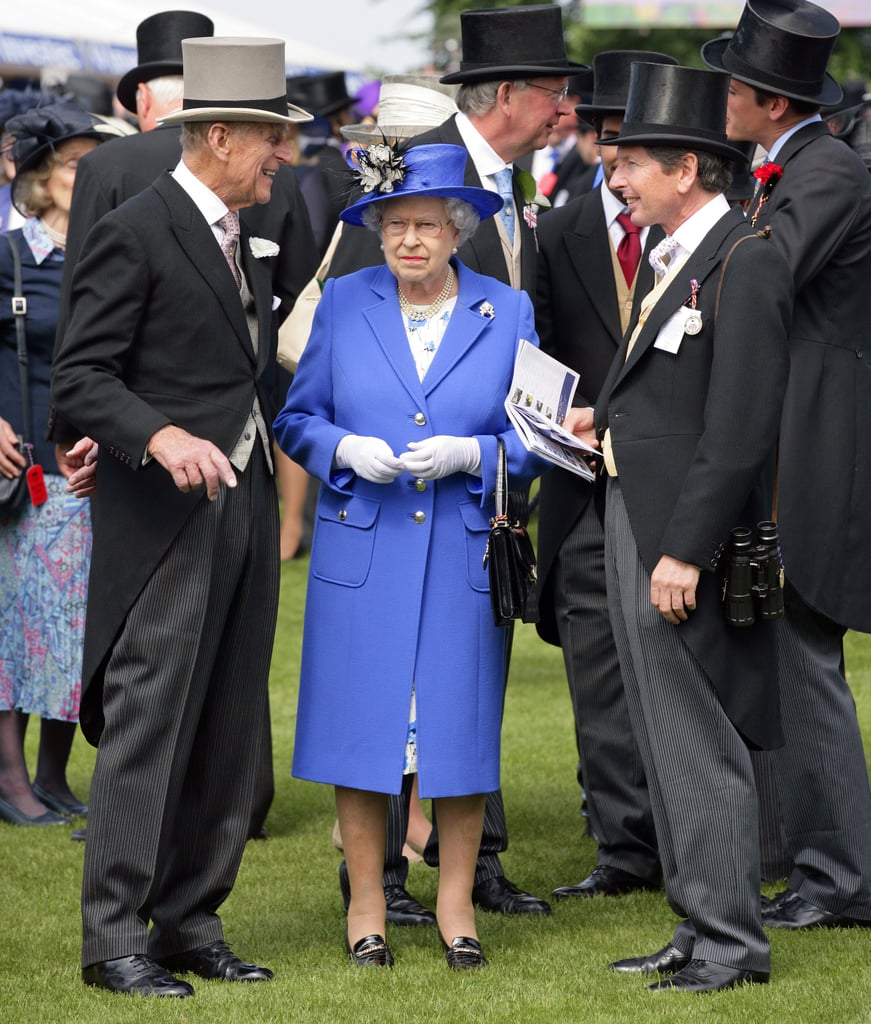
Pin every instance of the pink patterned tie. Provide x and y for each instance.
(229, 224)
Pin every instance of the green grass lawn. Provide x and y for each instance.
(286, 910)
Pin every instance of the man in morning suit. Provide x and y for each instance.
(688, 419)
(590, 267)
(162, 362)
(817, 199)
(513, 82)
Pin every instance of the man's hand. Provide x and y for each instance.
(12, 460)
(673, 588)
(191, 461)
(78, 466)
(580, 423)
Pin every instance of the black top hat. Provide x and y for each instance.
(158, 49)
(781, 47)
(670, 105)
(611, 80)
(513, 42)
(322, 94)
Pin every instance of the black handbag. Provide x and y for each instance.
(510, 559)
(14, 494)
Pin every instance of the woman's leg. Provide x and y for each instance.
(14, 780)
(419, 826)
(55, 743)
(363, 823)
(292, 489)
(460, 823)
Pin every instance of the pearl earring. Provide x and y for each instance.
(454, 251)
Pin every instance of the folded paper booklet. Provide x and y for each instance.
(542, 390)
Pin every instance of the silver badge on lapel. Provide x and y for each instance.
(693, 323)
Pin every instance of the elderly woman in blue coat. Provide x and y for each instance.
(397, 408)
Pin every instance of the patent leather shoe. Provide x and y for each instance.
(216, 962)
(73, 809)
(464, 954)
(663, 961)
(135, 975)
(10, 813)
(705, 976)
(499, 896)
(402, 907)
(370, 951)
(794, 912)
(605, 880)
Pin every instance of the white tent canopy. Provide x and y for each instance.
(99, 36)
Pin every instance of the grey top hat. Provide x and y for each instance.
(233, 78)
(781, 47)
(158, 49)
(513, 42)
(611, 80)
(670, 105)
(407, 106)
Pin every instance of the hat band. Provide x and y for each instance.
(527, 63)
(628, 131)
(277, 105)
(733, 63)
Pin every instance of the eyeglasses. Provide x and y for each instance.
(558, 94)
(395, 228)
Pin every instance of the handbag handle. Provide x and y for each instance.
(19, 311)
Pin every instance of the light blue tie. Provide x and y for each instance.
(506, 190)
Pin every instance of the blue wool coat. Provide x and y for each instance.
(397, 592)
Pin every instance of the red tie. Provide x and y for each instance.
(629, 249)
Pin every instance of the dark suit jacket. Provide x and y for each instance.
(481, 253)
(157, 335)
(820, 213)
(692, 433)
(578, 322)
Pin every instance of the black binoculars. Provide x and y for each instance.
(754, 576)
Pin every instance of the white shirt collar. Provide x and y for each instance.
(205, 200)
(486, 160)
(612, 205)
(782, 139)
(693, 230)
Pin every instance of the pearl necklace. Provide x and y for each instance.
(59, 240)
(417, 314)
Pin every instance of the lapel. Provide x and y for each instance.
(586, 245)
(258, 273)
(198, 243)
(701, 265)
(794, 144)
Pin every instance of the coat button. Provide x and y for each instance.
(420, 419)
(420, 484)
(343, 515)
(420, 517)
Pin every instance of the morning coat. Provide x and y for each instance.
(397, 591)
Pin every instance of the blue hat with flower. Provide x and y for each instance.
(388, 172)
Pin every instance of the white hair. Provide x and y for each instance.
(165, 90)
(462, 215)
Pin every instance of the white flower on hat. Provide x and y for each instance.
(261, 247)
(379, 167)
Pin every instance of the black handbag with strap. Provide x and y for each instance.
(14, 494)
(510, 558)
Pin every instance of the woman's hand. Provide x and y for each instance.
(12, 459)
(441, 456)
(369, 457)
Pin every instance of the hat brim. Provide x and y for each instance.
(588, 110)
(484, 202)
(714, 50)
(126, 88)
(367, 133)
(295, 115)
(101, 132)
(510, 72)
(678, 139)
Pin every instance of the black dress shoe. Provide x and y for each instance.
(217, 962)
(73, 809)
(370, 951)
(794, 912)
(135, 975)
(705, 976)
(464, 954)
(402, 907)
(605, 880)
(79, 835)
(500, 896)
(10, 813)
(663, 961)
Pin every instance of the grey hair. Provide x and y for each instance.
(462, 215)
(477, 98)
(166, 89)
(715, 171)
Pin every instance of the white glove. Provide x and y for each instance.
(441, 456)
(369, 457)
